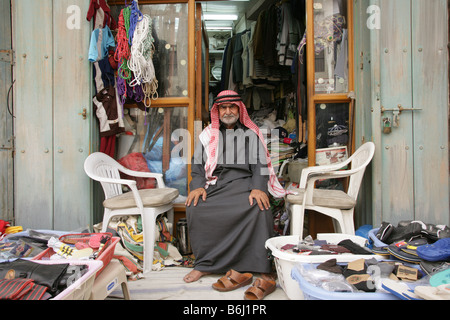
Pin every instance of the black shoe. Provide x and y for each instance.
(431, 268)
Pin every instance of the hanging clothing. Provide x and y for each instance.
(101, 40)
(270, 37)
(289, 36)
(103, 74)
(245, 38)
(108, 112)
(101, 12)
(237, 59)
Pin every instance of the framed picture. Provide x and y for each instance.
(333, 155)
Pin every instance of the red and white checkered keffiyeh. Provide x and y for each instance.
(210, 139)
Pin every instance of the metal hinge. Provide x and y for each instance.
(7, 56)
(10, 147)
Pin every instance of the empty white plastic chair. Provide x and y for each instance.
(336, 204)
(148, 203)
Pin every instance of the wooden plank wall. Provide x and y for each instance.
(363, 130)
(396, 148)
(71, 94)
(6, 131)
(409, 67)
(430, 92)
(53, 86)
(33, 44)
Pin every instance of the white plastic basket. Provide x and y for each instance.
(284, 261)
(80, 289)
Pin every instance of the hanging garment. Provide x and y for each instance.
(270, 37)
(101, 12)
(246, 80)
(258, 36)
(103, 74)
(108, 112)
(237, 59)
(101, 40)
(288, 37)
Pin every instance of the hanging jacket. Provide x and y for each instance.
(108, 112)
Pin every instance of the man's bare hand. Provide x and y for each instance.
(261, 198)
(195, 195)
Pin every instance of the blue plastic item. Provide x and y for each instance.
(363, 231)
(311, 292)
(438, 251)
(375, 240)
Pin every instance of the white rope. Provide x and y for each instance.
(140, 62)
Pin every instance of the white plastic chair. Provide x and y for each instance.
(148, 203)
(334, 203)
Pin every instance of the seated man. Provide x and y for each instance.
(228, 209)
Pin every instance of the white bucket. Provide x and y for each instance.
(284, 261)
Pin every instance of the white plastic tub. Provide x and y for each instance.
(80, 289)
(284, 261)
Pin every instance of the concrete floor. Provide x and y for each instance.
(168, 284)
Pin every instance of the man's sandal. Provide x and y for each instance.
(232, 280)
(260, 289)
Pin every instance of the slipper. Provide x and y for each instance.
(260, 289)
(330, 266)
(406, 230)
(431, 268)
(362, 282)
(400, 254)
(399, 289)
(441, 292)
(440, 278)
(381, 251)
(436, 232)
(438, 251)
(232, 280)
(384, 231)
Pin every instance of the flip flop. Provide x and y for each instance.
(232, 280)
(402, 255)
(399, 289)
(438, 251)
(440, 278)
(260, 289)
(441, 292)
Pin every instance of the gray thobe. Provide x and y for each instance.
(225, 231)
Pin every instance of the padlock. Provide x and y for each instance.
(387, 127)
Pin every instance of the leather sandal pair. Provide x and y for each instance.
(233, 280)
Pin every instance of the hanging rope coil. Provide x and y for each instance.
(135, 17)
(142, 68)
(135, 47)
(122, 53)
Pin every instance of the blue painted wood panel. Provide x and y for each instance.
(397, 147)
(409, 67)
(71, 94)
(6, 132)
(53, 87)
(430, 92)
(33, 44)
